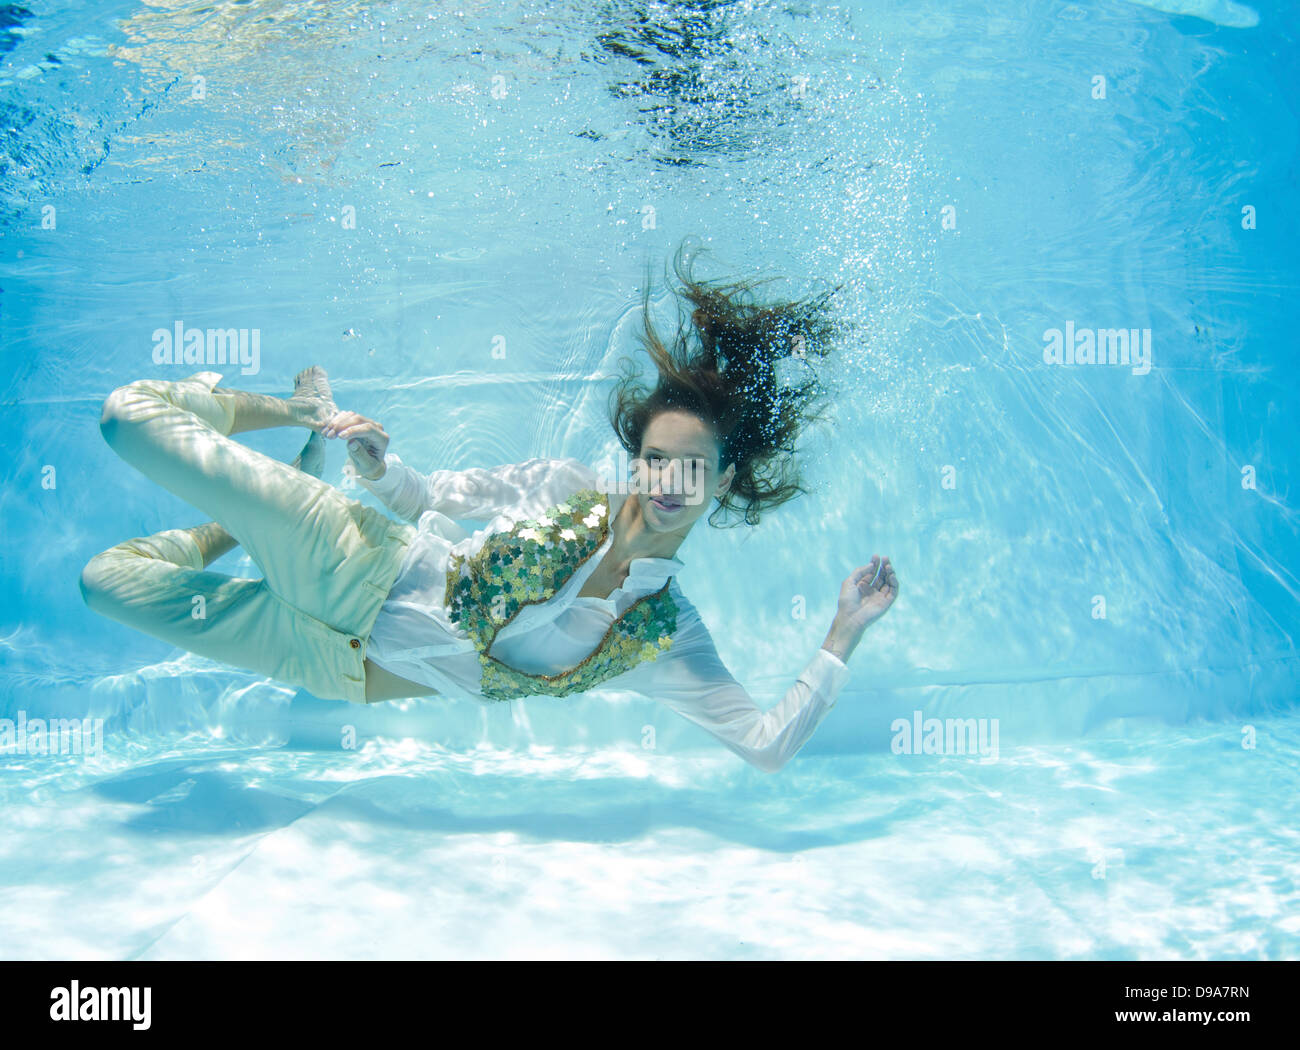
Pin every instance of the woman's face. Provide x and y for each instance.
(677, 472)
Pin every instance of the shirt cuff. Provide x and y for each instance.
(389, 482)
(826, 673)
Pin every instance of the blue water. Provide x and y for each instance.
(1100, 560)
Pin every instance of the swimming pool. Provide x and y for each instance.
(450, 207)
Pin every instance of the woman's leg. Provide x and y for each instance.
(329, 561)
(153, 583)
(214, 541)
(156, 584)
(298, 529)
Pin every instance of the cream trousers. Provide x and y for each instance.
(328, 561)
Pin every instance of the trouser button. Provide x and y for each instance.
(355, 643)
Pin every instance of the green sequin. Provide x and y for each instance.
(526, 566)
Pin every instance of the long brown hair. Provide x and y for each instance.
(727, 377)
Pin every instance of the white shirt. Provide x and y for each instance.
(414, 638)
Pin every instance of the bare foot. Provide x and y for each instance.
(311, 389)
(311, 460)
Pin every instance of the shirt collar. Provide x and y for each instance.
(653, 568)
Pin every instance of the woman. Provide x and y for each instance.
(565, 589)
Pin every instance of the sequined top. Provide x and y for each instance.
(526, 566)
(414, 635)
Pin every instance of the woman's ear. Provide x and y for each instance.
(724, 482)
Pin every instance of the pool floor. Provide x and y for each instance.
(1147, 843)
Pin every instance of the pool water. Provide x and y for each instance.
(451, 208)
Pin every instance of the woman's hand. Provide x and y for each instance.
(367, 442)
(864, 598)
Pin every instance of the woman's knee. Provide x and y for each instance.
(122, 407)
(99, 580)
(113, 574)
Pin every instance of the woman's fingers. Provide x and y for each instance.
(358, 429)
(343, 420)
(891, 580)
(876, 577)
(863, 570)
(883, 577)
(337, 420)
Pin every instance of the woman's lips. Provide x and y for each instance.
(667, 508)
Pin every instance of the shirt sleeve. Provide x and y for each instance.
(692, 680)
(518, 490)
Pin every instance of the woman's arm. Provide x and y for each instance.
(399, 488)
(691, 679)
(520, 490)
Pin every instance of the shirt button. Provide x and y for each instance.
(355, 643)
